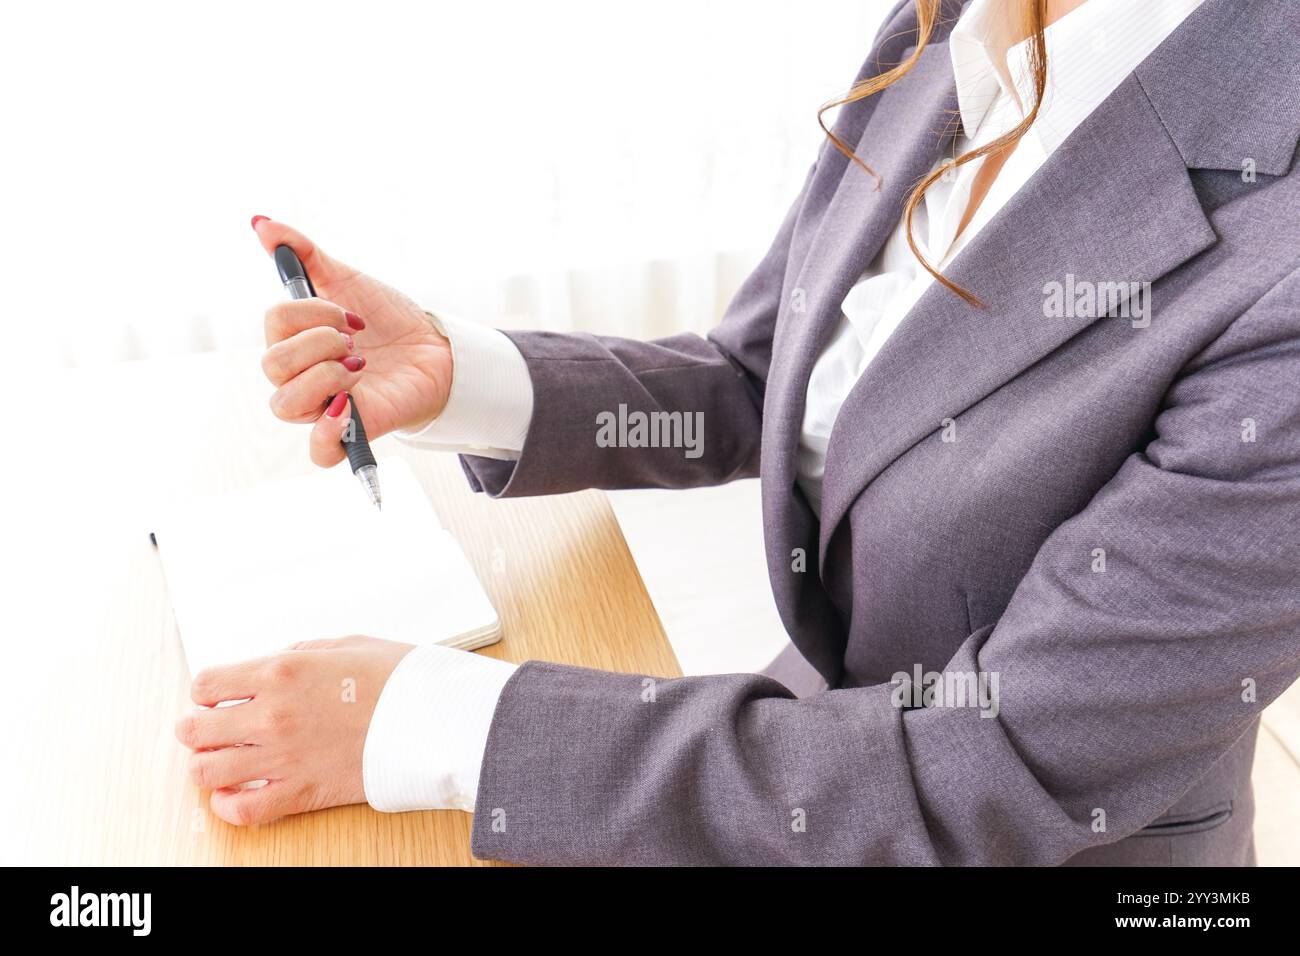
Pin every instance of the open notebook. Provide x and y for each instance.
(254, 571)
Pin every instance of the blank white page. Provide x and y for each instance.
(254, 571)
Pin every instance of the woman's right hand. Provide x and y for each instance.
(360, 337)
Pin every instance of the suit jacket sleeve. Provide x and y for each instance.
(577, 377)
(1118, 689)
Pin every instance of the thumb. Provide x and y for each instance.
(327, 433)
(323, 270)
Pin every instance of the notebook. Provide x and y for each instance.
(251, 572)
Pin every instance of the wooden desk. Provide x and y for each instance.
(99, 778)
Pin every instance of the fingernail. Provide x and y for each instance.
(257, 219)
(336, 406)
(354, 320)
(349, 341)
(354, 363)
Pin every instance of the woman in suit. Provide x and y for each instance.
(1019, 376)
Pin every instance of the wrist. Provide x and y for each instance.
(489, 401)
(436, 362)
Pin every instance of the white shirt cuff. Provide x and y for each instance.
(430, 729)
(491, 401)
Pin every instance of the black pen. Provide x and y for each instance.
(360, 457)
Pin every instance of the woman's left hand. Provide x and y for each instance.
(301, 727)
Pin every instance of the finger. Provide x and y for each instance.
(214, 685)
(244, 808)
(334, 643)
(323, 270)
(218, 727)
(293, 356)
(327, 434)
(304, 398)
(286, 319)
(323, 644)
(215, 769)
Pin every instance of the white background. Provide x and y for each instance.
(574, 164)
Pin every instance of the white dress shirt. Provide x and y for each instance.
(430, 728)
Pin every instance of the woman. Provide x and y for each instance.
(1029, 441)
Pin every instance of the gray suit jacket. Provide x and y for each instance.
(1113, 532)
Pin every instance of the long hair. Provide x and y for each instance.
(1033, 14)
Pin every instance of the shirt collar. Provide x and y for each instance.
(1089, 53)
(979, 44)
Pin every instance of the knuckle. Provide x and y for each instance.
(291, 762)
(273, 364)
(280, 405)
(187, 730)
(278, 317)
(200, 771)
(204, 683)
(280, 669)
(279, 721)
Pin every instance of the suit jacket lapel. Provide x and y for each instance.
(899, 133)
(1114, 204)
(901, 141)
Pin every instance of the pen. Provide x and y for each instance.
(360, 457)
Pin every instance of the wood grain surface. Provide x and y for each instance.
(94, 773)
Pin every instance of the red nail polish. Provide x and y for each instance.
(336, 406)
(354, 320)
(348, 340)
(257, 219)
(354, 363)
